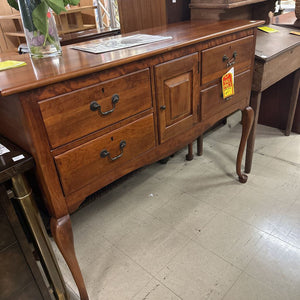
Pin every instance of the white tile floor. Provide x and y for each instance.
(190, 230)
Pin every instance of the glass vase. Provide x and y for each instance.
(39, 44)
(297, 9)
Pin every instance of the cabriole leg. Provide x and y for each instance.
(255, 104)
(247, 121)
(63, 235)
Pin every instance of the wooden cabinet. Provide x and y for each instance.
(177, 93)
(89, 119)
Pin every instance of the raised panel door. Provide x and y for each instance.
(177, 94)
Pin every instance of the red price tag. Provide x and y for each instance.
(228, 84)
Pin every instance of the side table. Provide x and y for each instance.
(276, 56)
(15, 275)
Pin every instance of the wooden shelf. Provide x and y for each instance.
(77, 9)
(11, 17)
(72, 20)
(73, 28)
(69, 21)
(17, 33)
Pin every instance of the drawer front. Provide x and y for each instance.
(212, 101)
(90, 161)
(69, 117)
(218, 60)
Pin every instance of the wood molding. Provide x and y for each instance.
(225, 5)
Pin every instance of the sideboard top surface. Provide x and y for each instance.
(74, 63)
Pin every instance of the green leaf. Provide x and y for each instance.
(39, 17)
(26, 8)
(13, 3)
(71, 2)
(57, 5)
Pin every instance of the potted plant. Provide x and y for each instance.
(39, 24)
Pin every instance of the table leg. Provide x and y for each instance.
(63, 235)
(24, 196)
(247, 121)
(293, 103)
(200, 145)
(255, 104)
(190, 155)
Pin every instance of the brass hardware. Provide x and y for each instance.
(230, 61)
(225, 57)
(163, 107)
(94, 106)
(104, 153)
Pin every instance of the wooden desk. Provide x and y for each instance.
(276, 56)
(89, 119)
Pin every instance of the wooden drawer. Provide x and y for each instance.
(212, 101)
(216, 61)
(69, 117)
(85, 164)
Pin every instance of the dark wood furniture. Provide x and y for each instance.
(231, 9)
(89, 119)
(21, 278)
(276, 56)
(141, 14)
(275, 105)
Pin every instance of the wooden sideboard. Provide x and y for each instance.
(89, 119)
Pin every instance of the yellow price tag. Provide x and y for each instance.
(267, 29)
(228, 84)
(8, 64)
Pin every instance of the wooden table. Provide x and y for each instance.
(89, 119)
(14, 162)
(276, 56)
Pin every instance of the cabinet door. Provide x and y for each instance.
(177, 93)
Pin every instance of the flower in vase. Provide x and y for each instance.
(36, 17)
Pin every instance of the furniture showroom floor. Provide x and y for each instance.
(190, 230)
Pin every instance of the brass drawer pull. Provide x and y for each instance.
(105, 153)
(230, 61)
(94, 106)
